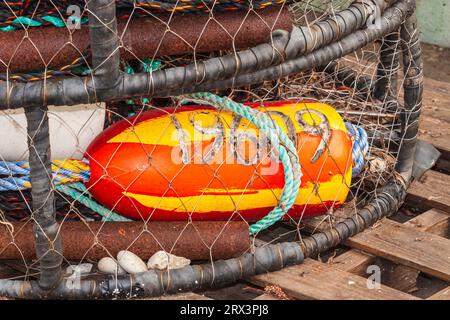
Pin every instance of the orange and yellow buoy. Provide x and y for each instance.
(194, 162)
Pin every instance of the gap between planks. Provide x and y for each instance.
(433, 221)
(404, 245)
(432, 190)
(316, 280)
(356, 262)
(400, 243)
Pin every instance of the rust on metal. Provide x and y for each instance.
(198, 240)
(52, 47)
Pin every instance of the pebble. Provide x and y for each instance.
(162, 260)
(377, 165)
(130, 262)
(109, 266)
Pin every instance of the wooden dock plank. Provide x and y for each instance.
(401, 277)
(402, 244)
(316, 280)
(354, 261)
(396, 276)
(444, 294)
(266, 296)
(433, 221)
(433, 189)
(435, 118)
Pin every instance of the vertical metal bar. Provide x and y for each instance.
(413, 89)
(105, 58)
(386, 83)
(48, 243)
(104, 43)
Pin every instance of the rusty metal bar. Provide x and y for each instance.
(211, 73)
(199, 240)
(143, 37)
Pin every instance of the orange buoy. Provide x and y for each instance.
(195, 162)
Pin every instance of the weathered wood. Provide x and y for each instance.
(444, 294)
(396, 276)
(436, 131)
(393, 275)
(401, 244)
(433, 221)
(433, 189)
(358, 261)
(435, 118)
(316, 280)
(266, 296)
(354, 261)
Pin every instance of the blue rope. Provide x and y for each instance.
(18, 175)
(14, 183)
(147, 65)
(10, 168)
(76, 190)
(360, 147)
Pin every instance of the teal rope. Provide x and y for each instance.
(285, 147)
(147, 65)
(57, 22)
(78, 192)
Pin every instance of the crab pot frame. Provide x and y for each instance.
(288, 52)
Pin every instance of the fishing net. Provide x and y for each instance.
(214, 140)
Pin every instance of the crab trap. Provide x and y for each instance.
(153, 147)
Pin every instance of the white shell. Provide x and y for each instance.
(130, 262)
(109, 266)
(377, 164)
(82, 268)
(162, 260)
